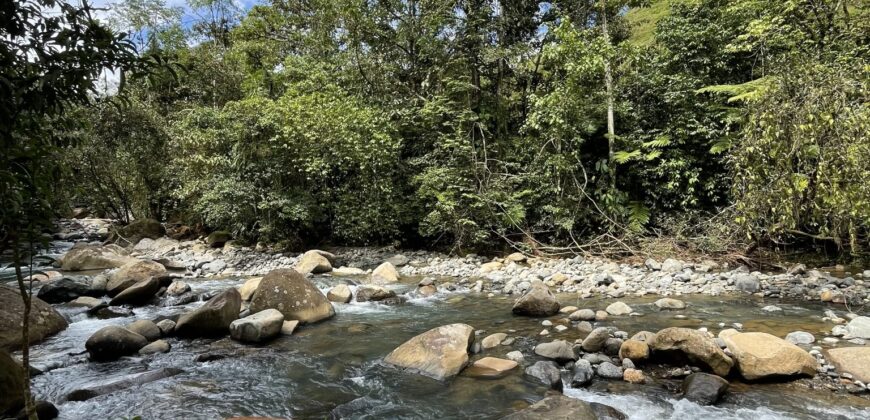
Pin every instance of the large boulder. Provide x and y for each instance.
(258, 327)
(44, 320)
(137, 294)
(11, 383)
(385, 273)
(249, 287)
(760, 355)
(90, 257)
(136, 231)
(131, 274)
(313, 262)
(538, 301)
(291, 293)
(685, 343)
(556, 407)
(704, 388)
(113, 342)
(439, 353)
(853, 360)
(65, 290)
(213, 318)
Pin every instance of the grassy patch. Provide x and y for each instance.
(643, 21)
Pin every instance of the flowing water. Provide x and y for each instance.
(333, 369)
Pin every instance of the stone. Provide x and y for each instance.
(490, 267)
(289, 292)
(288, 327)
(600, 316)
(556, 407)
(703, 388)
(428, 290)
(64, 290)
(247, 289)
(218, 238)
(800, 337)
(145, 328)
(516, 356)
(852, 360)
(491, 368)
(516, 257)
(670, 303)
(595, 340)
(136, 379)
(618, 308)
(538, 301)
(644, 336)
(259, 327)
(547, 373)
(340, 294)
(582, 374)
(398, 260)
(692, 345)
(609, 371)
(584, 327)
(213, 318)
(633, 376)
(83, 257)
(559, 350)
(159, 346)
(313, 262)
(385, 273)
(652, 264)
(113, 342)
(634, 350)
(858, 327)
(137, 294)
(771, 308)
(760, 355)
(347, 271)
(11, 383)
(373, 293)
(44, 411)
(582, 315)
(86, 301)
(671, 265)
(612, 346)
(492, 340)
(746, 283)
(136, 231)
(45, 321)
(439, 353)
(166, 326)
(177, 288)
(606, 412)
(131, 274)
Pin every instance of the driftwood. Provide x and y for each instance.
(85, 394)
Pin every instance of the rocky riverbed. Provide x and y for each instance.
(206, 329)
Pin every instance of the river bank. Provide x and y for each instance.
(606, 334)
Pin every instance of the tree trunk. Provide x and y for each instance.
(25, 331)
(608, 83)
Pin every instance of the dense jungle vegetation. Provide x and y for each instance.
(561, 126)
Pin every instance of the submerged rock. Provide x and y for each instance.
(692, 345)
(113, 342)
(439, 353)
(556, 407)
(213, 318)
(703, 388)
(760, 355)
(538, 301)
(258, 327)
(859, 327)
(289, 292)
(45, 321)
(137, 379)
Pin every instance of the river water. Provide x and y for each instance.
(334, 369)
